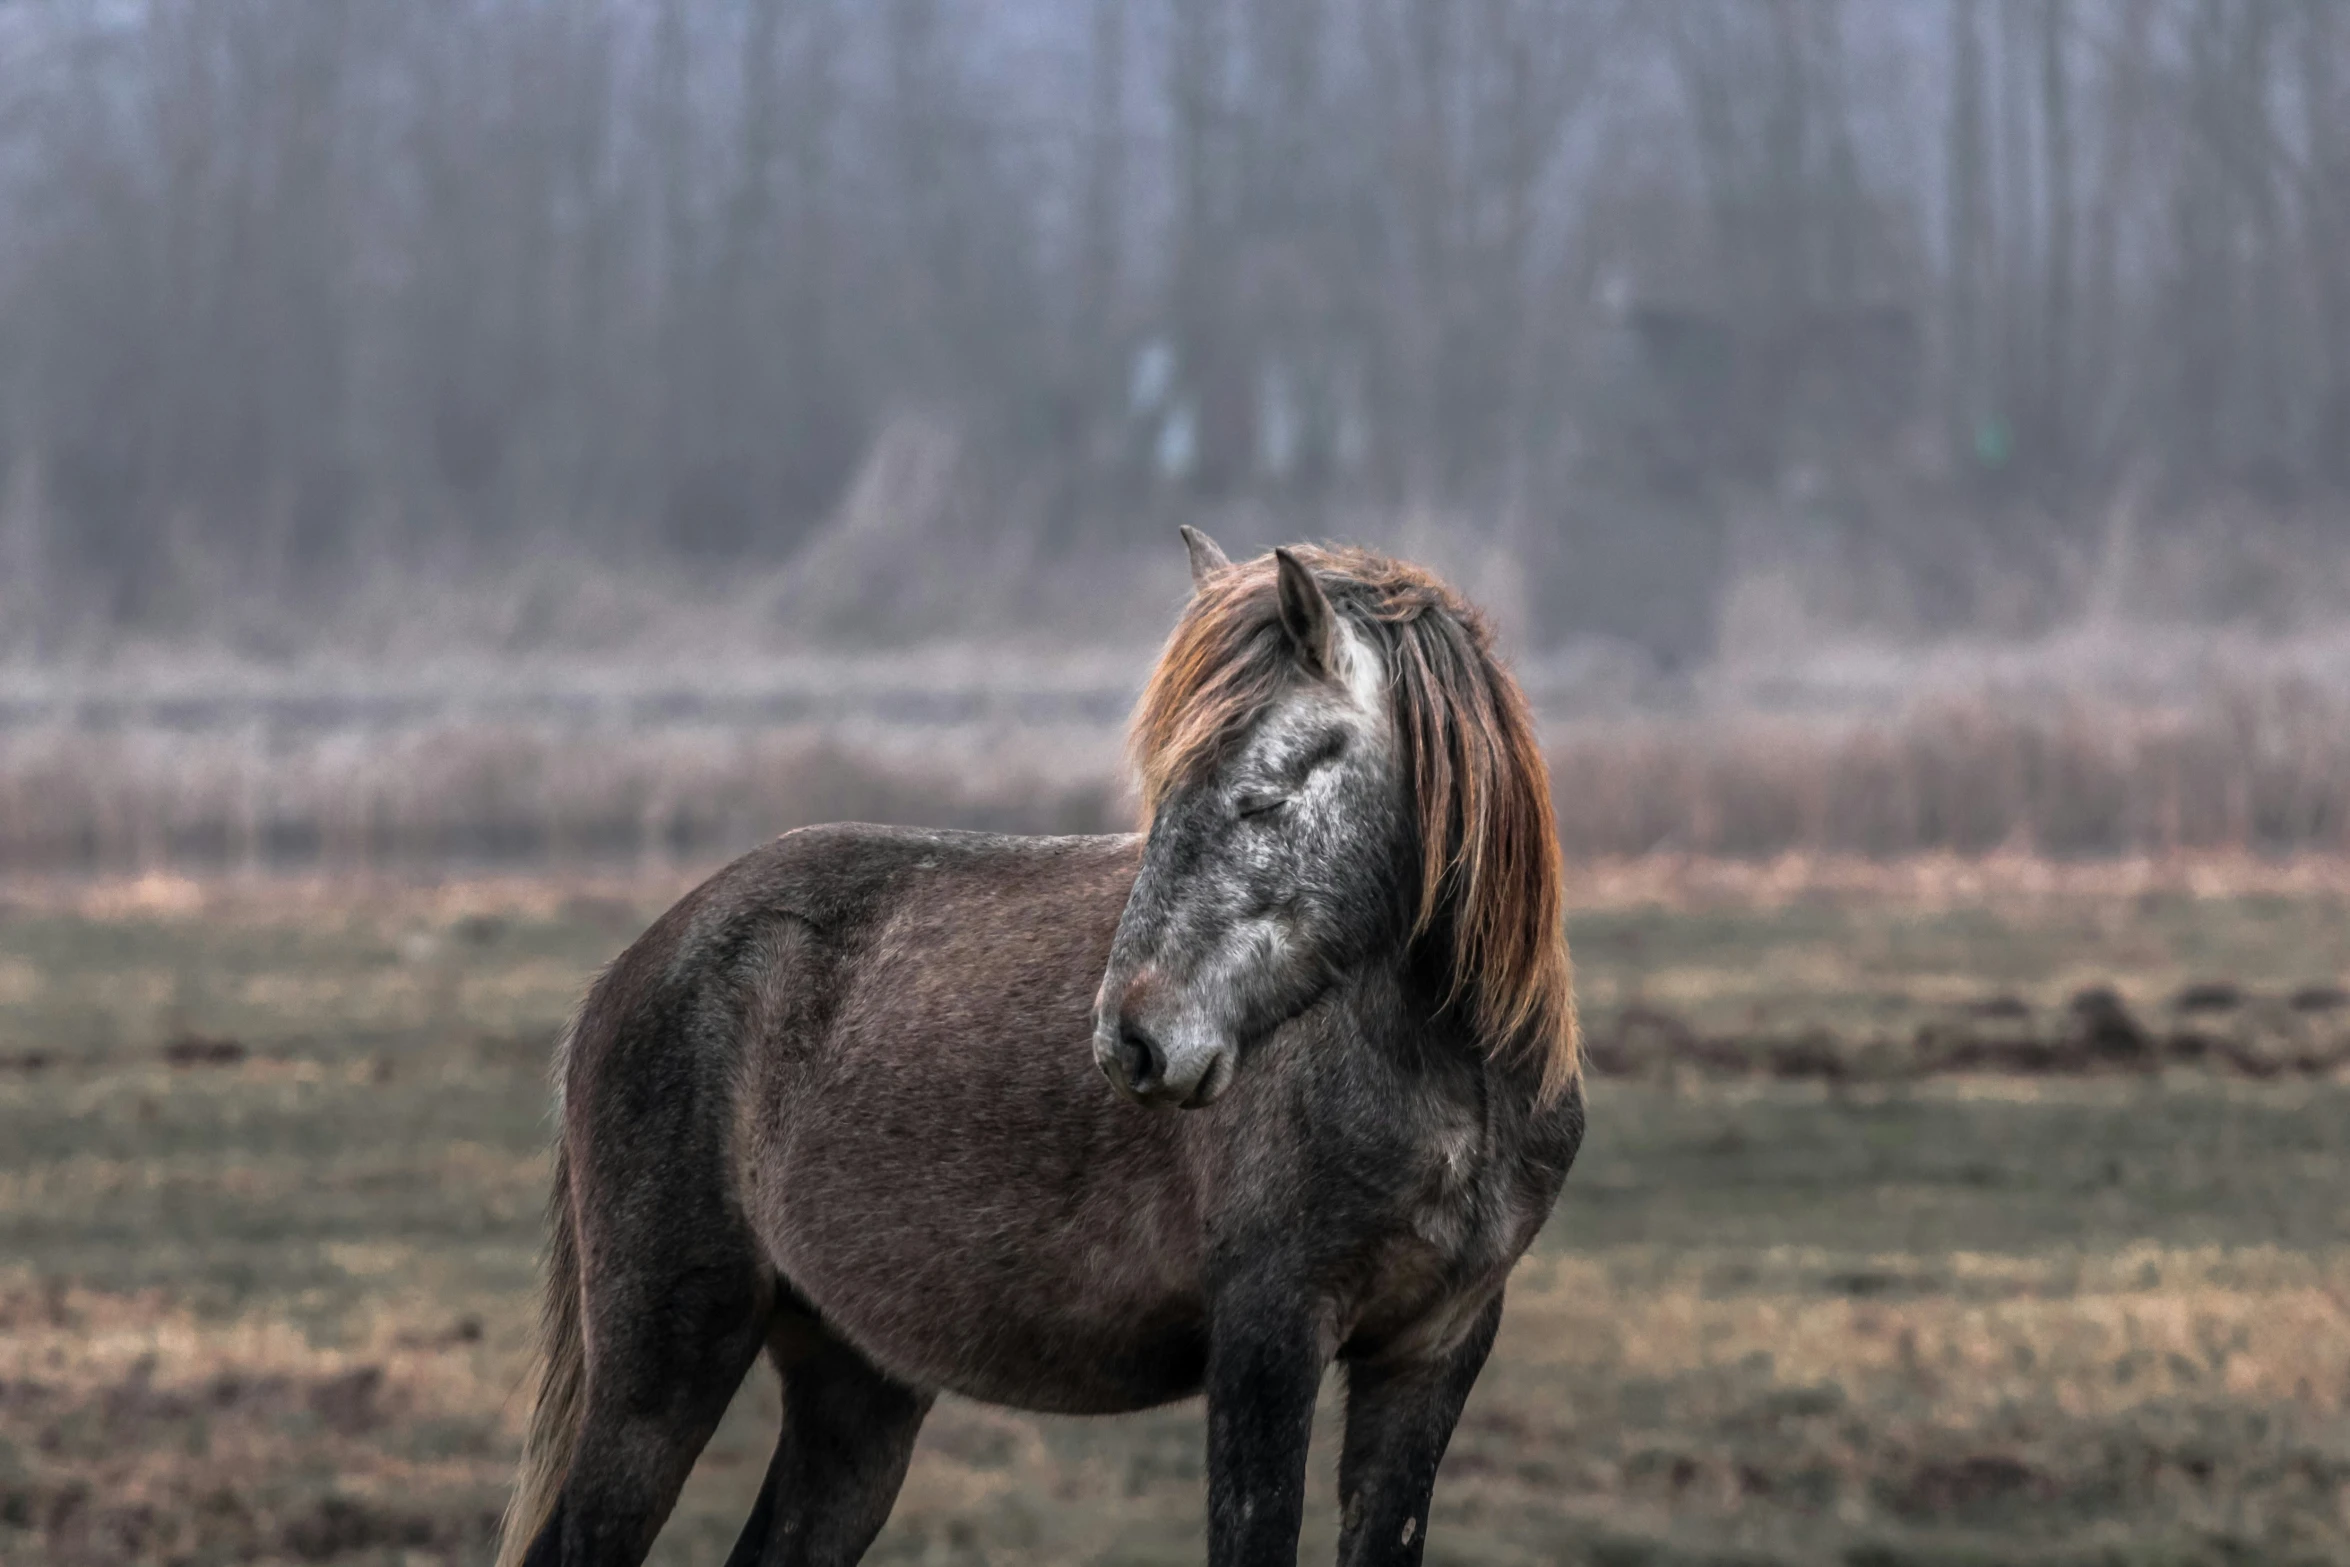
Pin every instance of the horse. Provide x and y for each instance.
(1088, 1124)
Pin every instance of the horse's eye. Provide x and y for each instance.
(1250, 806)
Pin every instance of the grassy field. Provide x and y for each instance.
(271, 1170)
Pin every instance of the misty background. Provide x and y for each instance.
(629, 427)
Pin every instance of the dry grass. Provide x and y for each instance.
(2249, 770)
(2244, 769)
(1942, 880)
(271, 1305)
(161, 1434)
(1929, 882)
(345, 804)
(2188, 1392)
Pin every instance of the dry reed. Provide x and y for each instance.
(2248, 770)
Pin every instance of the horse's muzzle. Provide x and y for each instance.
(1140, 1066)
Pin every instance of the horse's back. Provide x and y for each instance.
(844, 877)
(835, 942)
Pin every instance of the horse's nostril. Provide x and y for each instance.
(1139, 1054)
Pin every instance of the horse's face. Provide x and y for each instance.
(1267, 880)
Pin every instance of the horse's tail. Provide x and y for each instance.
(562, 1382)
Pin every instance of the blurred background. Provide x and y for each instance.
(467, 467)
(496, 430)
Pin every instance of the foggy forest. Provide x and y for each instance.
(1737, 354)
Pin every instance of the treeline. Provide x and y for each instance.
(289, 288)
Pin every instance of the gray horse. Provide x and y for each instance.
(846, 1103)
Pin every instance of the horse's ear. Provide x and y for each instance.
(1207, 556)
(1306, 614)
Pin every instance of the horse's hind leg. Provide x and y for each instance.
(668, 1343)
(848, 1433)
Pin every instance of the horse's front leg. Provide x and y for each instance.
(1266, 1353)
(1399, 1418)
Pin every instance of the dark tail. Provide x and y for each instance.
(562, 1382)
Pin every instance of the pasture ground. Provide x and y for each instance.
(271, 1173)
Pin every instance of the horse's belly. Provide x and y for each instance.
(1039, 1341)
(1080, 1372)
(955, 1272)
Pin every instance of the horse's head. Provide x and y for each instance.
(1278, 856)
(1333, 766)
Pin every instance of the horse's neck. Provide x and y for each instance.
(1425, 1002)
(1403, 1008)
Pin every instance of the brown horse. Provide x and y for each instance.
(845, 1103)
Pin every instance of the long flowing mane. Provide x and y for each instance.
(1490, 852)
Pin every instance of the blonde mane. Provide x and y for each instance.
(1489, 839)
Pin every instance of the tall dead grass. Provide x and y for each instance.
(477, 795)
(2249, 769)
(2254, 771)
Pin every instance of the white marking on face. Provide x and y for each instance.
(1363, 673)
(1357, 699)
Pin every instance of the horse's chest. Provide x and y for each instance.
(1447, 1244)
(1449, 1197)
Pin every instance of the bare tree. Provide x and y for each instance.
(2059, 223)
(1972, 242)
(2326, 184)
(290, 287)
